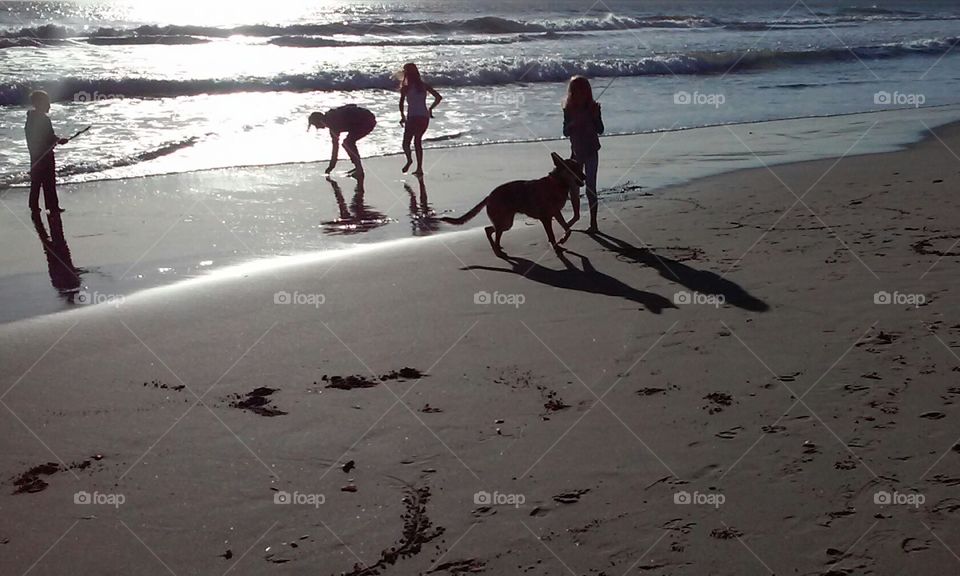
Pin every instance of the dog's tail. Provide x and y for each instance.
(468, 216)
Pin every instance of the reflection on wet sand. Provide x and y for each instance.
(356, 217)
(64, 276)
(423, 221)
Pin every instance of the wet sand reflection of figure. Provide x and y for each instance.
(356, 217)
(64, 276)
(423, 219)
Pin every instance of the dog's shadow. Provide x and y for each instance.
(700, 281)
(585, 279)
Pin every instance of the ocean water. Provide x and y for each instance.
(178, 86)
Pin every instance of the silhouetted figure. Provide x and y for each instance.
(416, 118)
(351, 119)
(583, 124)
(700, 281)
(356, 217)
(64, 276)
(41, 140)
(589, 279)
(422, 217)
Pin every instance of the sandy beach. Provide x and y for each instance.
(752, 373)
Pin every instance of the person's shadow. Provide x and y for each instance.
(423, 219)
(64, 276)
(700, 281)
(355, 217)
(585, 279)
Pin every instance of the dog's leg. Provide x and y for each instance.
(495, 244)
(548, 226)
(567, 226)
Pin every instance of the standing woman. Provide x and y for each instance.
(583, 124)
(413, 91)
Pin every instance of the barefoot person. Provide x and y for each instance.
(413, 91)
(41, 140)
(357, 122)
(583, 124)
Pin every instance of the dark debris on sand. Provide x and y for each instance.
(471, 565)
(726, 533)
(357, 381)
(257, 401)
(718, 400)
(418, 530)
(163, 386)
(30, 481)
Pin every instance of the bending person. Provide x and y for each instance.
(357, 122)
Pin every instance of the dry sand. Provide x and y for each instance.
(784, 402)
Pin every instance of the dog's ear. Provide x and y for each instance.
(557, 160)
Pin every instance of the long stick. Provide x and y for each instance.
(607, 86)
(79, 133)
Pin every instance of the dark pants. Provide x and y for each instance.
(44, 176)
(591, 165)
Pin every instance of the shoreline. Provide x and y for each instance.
(167, 229)
(25, 186)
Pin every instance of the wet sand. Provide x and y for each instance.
(754, 373)
(129, 235)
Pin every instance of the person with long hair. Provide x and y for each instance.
(415, 118)
(583, 124)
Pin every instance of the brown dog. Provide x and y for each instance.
(541, 199)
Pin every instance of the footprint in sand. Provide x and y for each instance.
(914, 545)
(730, 433)
(570, 497)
